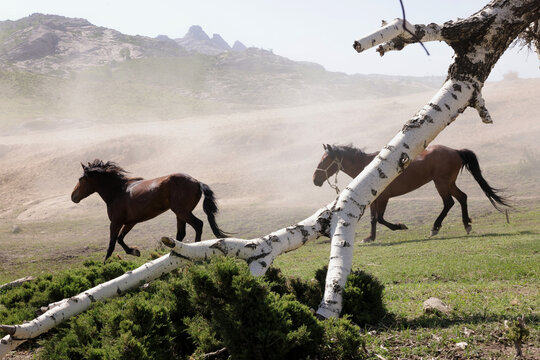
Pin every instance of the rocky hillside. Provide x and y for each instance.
(53, 66)
(198, 41)
(51, 43)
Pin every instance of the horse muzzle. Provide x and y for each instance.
(75, 198)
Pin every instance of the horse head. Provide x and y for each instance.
(328, 166)
(84, 187)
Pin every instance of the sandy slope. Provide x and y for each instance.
(240, 153)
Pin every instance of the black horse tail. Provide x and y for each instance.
(211, 209)
(470, 161)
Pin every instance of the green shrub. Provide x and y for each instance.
(342, 341)
(362, 297)
(253, 322)
(194, 311)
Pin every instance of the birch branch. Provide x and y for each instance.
(63, 310)
(393, 36)
(16, 283)
(259, 254)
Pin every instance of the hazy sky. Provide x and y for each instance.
(311, 30)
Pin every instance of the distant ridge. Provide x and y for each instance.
(59, 57)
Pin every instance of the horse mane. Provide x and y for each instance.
(348, 150)
(110, 170)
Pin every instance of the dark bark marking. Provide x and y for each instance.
(390, 147)
(251, 245)
(456, 87)
(257, 257)
(336, 287)
(373, 192)
(446, 105)
(406, 146)
(435, 106)
(180, 255)
(403, 161)
(454, 96)
(382, 175)
(217, 245)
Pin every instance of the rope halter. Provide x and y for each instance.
(325, 171)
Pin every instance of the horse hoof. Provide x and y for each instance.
(468, 229)
(135, 252)
(403, 227)
(434, 232)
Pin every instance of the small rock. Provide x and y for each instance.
(514, 302)
(462, 345)
(434, 305)
(16, 229)
(467, 332)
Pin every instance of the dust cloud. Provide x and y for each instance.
(257, 161)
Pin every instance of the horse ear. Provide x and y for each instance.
(83, 167)
(329, 148)
(324, 146)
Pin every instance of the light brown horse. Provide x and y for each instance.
(436, 163)
(134, 200)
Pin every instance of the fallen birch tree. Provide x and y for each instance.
(478, 41)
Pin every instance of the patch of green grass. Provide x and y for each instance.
(486, 278)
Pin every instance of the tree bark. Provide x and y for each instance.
(478, 42)
(17, 283)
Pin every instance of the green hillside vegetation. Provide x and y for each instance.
(485, 278)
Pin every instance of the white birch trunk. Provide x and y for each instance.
(391, 161)
(478, 41)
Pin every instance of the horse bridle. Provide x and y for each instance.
(339, 167)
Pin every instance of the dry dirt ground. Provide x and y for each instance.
(259, 163)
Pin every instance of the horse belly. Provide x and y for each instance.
(148, 204)
(407, 182)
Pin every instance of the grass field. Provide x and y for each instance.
(488, 277)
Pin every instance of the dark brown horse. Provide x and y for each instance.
(134, 200)
(436, 163)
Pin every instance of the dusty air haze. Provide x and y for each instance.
(251, 127)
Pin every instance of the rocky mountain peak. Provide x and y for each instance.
(218, 42)
(238, 46)
(196, 32)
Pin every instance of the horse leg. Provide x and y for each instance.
(180, 228)
(372, 236)
(114, 230)
(197, 224)
(448, 202)
(461, 197)
(129, 250)
(380, 217)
